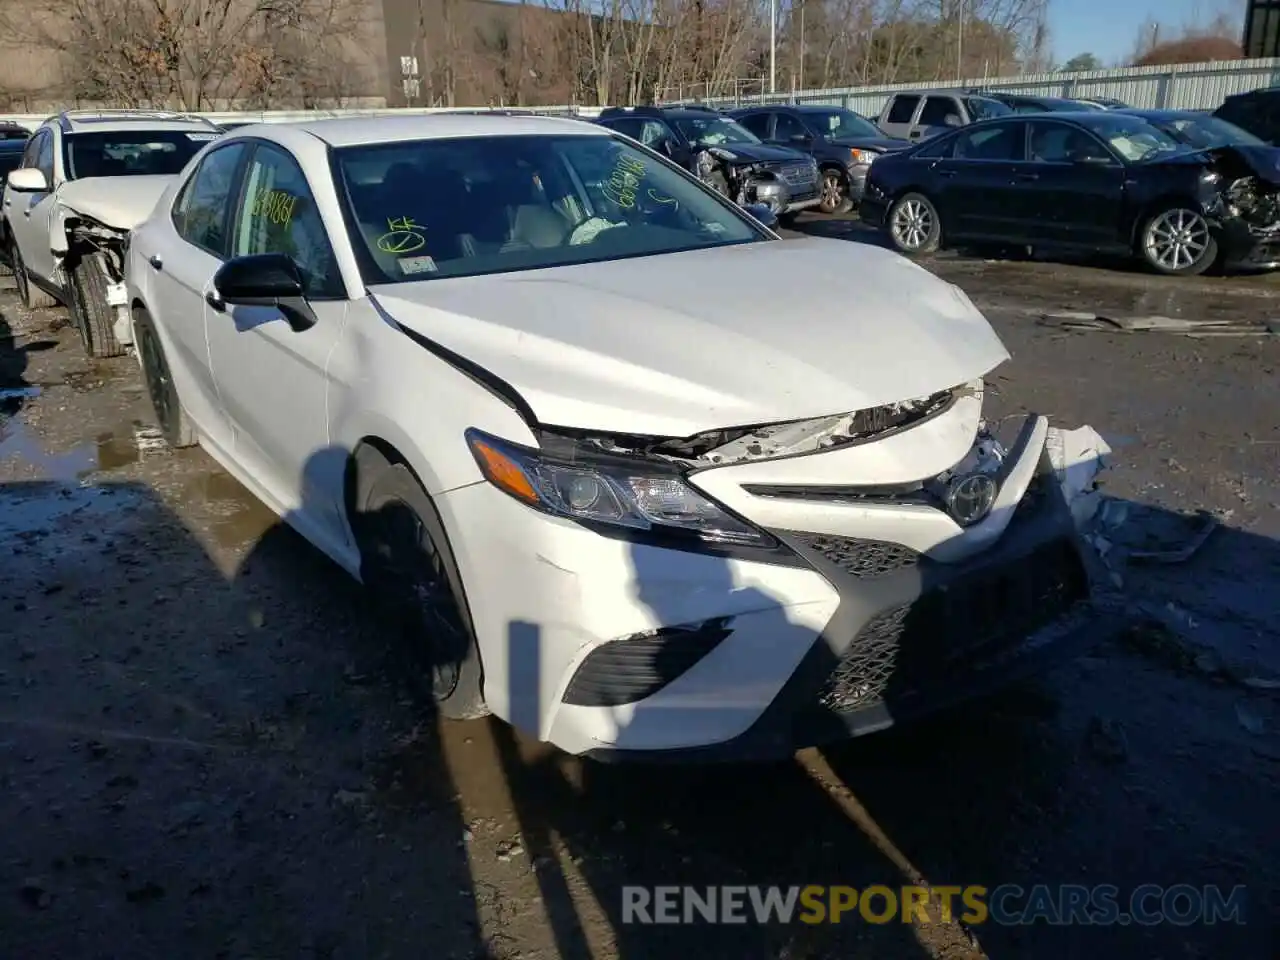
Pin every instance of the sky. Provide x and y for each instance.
(1109, 28)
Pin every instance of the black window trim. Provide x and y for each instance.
(970, 129)
(237, 178)
(915, 107)
(259, 143)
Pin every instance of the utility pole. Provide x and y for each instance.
(960, 41)
(773, 46)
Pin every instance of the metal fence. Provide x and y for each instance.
(1184, 86)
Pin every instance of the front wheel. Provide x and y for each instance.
(175, 426)
(87, 300)
(407, 566)
(1177, 242)
(835, 192)
(914, 225)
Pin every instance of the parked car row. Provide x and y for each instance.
(511, 372)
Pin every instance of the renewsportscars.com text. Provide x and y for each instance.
(1007, 905)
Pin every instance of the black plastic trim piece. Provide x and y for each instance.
(631, 668)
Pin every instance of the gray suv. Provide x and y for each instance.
(918, 115)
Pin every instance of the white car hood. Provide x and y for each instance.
(678, 344)
(122, 202)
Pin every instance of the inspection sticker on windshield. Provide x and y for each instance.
(203, 137)
(417, 265)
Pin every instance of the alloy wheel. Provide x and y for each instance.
(912, 224)
(1177, 239)
(832, 192)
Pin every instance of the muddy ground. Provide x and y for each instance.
(205, 751)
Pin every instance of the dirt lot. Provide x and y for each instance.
(205, 751)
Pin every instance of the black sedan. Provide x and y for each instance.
(1099, 181)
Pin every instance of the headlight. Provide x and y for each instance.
(639, 497)
(859, 158)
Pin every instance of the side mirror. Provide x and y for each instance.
(266, 280)
(763, 213)
(28, 180)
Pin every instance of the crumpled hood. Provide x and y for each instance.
(677, 344)
(755, 152)
(122, 202)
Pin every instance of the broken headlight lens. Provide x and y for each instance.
(619, 495)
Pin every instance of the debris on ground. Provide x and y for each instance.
(1080, 321)
(1078, 456)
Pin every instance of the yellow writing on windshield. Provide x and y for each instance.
(275, 206)
(403, 236)
(624, 181)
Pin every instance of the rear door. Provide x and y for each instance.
(979, 195)
(1072, 184)
(898, 114)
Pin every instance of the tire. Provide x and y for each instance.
(33, 297)
(917, 209)
(1176, 241)
(87, 302)
(408, 568)
(835, 192)
(175, 425)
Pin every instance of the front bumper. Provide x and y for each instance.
(1245, 249)
(621, 649)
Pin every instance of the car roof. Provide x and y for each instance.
(1139, 112)
(366, 131)
(131, 121)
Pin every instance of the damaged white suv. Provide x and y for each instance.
(86, 179)
(539, 389)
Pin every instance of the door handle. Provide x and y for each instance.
(155, 261)
(946, 174)
(215, 301)
(1028, 176)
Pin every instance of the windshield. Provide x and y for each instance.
(982, 108)
(712, 131)
(1134, 138)
(132, 152)
(429, 209)
(1205, 131)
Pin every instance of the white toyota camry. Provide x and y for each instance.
(642, 477)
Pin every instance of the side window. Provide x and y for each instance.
(632, 127)
(903, 109)
(653, 132)
(936, 110)
(1050, 142)
(44, 156)
(999, 142)
(937, 148)
(202, 209)
(32, 148)
(278, 215)
(757, 123)
(785, 127)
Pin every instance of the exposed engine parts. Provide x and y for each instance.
(86, 237)
(743, 183)
(1256, 203)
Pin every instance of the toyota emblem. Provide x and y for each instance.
(971, 497)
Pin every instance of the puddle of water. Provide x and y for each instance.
(17, 443)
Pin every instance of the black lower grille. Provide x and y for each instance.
(861, 558)
(630, 669)
(952, 630)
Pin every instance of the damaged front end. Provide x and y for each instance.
(1246, 202)
(92, 264)
(761, 182)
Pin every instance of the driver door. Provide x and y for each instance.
(273, 379)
